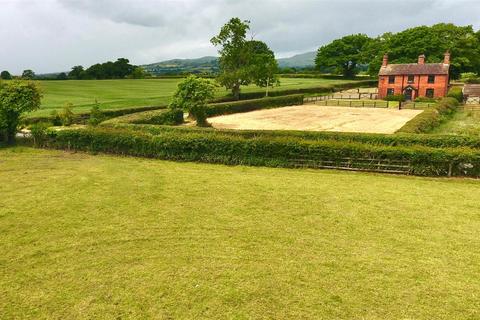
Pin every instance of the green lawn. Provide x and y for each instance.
(463, 123)
(131, 93)
(88, 237)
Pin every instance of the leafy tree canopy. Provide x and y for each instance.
(108, 70)
(5, 75)
(28, 74)
(404, 47)
(343, 55)
(16, 97)
(241, 61)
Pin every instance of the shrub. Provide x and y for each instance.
(430, 117)
(426, 99)
(268, 151)
(254, 104)
(54, 118)
(96, 116)
(396, 97)
(192, 95)
(39, 133)
(66, 115)
(457, 93)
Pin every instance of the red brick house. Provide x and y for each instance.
(414, 79)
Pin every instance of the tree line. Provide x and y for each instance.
(119, 69)
(351, 53)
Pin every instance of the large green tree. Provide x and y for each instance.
(433, 41)
(343, 55)
(28, 74)
(263, 65)
(16, 98)
(5, 75)
(243, 61)
(192, 95)
(77, 73)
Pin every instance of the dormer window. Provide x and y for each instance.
(431, 78)
(411, 78)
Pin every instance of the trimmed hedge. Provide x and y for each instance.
(266, 151)
(430, 117)
(254, 104)
(158, 117)
(314, 90)
(402, 139)
(323, 76)
(82, 118)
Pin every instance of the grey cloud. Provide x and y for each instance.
(54, 35)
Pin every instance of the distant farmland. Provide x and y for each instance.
(112, 94)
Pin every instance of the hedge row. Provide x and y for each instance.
(402, 139)
(430, 117)
(82, 118)
(157, 117)
(323, 76)
(265, 151)
(253, 104)
(320, 89)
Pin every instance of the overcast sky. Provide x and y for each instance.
(54, 35)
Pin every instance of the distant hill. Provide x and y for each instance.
(298, 61)
(210, 64)
(179, 66)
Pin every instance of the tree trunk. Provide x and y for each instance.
(236, 92)
(266, 91)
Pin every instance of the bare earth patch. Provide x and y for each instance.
(318, 118)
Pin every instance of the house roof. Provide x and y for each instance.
(472, 90)
(414, 68)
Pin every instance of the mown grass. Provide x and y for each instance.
(113, 94)
(461, 123)
(85, 237)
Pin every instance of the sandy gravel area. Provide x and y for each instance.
(318, 118)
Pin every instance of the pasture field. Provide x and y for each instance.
(113, 94)
(462, 123)
(314, 117)
(85, 237)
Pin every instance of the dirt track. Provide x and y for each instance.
(318, 118)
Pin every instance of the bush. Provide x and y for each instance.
(457, 93)
(430, 117)
(254, 104)
(96, 116)
(66, 115)
(396, 97)
(39, 133)
(157, 117)
(54, 118)
(426, 100)
(268, 151)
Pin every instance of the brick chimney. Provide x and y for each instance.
(446, 59)
(385, 60)
(421, 59)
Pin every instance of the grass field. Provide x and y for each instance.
(462, 123)
(113, 94)
(85, 237)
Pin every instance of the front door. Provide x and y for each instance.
(408, 94)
